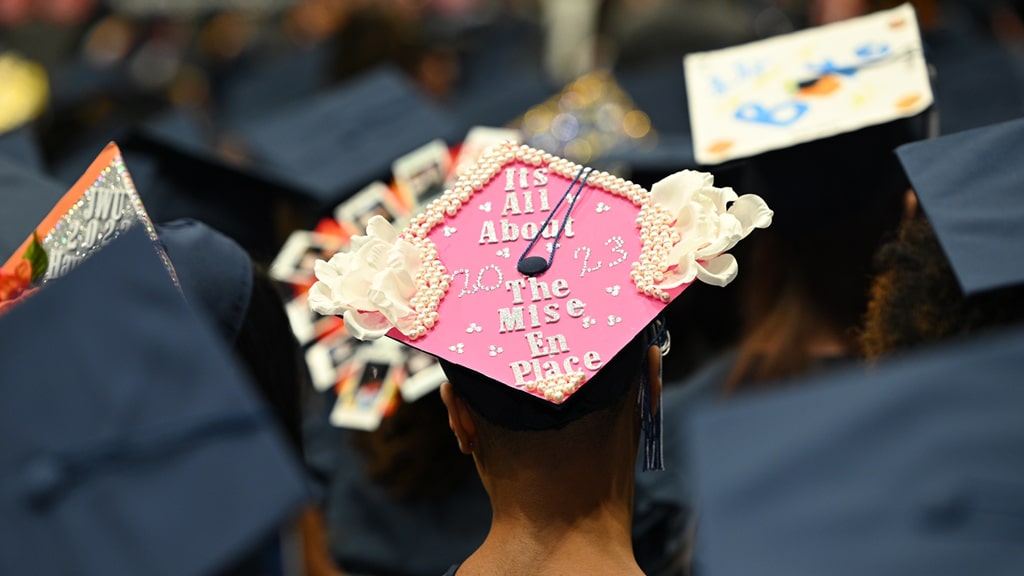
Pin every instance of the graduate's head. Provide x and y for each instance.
(535, 280)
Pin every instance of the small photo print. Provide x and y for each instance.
(369, 389)
(329, 360)
(294, 263)
(420, 175)
(374, 200)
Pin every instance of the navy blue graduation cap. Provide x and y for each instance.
(214, 272)
(971, 186)
(133, 444)
(913, 467)
(27, 196)
(337, 142)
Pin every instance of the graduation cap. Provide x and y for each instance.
(970, 188)
(912, 467)
(532, 273)
(133, 444)
(214, 272)
(337, 142)
(75, 224)
(813, 117)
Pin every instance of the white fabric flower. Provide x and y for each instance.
(708, 226)
(371, 285)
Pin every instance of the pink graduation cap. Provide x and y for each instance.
(535, 271)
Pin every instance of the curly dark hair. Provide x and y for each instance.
(916, 298)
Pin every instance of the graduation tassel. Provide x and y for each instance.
(651, 419)
(653, 457)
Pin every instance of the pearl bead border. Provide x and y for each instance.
(557, 389)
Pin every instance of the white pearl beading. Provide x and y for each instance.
(557, 388)
(432, 282)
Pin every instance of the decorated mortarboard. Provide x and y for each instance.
(534, 271)
(972, 190)
(911, 467)
(133, 444)
(337, 142)
(102, 205)
(805, 86)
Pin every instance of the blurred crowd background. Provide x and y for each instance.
(201, 97)
(93, 68)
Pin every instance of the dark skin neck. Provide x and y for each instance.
(562, 500)
(560, 511)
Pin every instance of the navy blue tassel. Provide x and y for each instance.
(651, 423)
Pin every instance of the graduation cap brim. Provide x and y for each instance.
(133, 444)
(911, 467)
(970, 186)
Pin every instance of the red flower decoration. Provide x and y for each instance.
(17, 284)
(11, 285)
